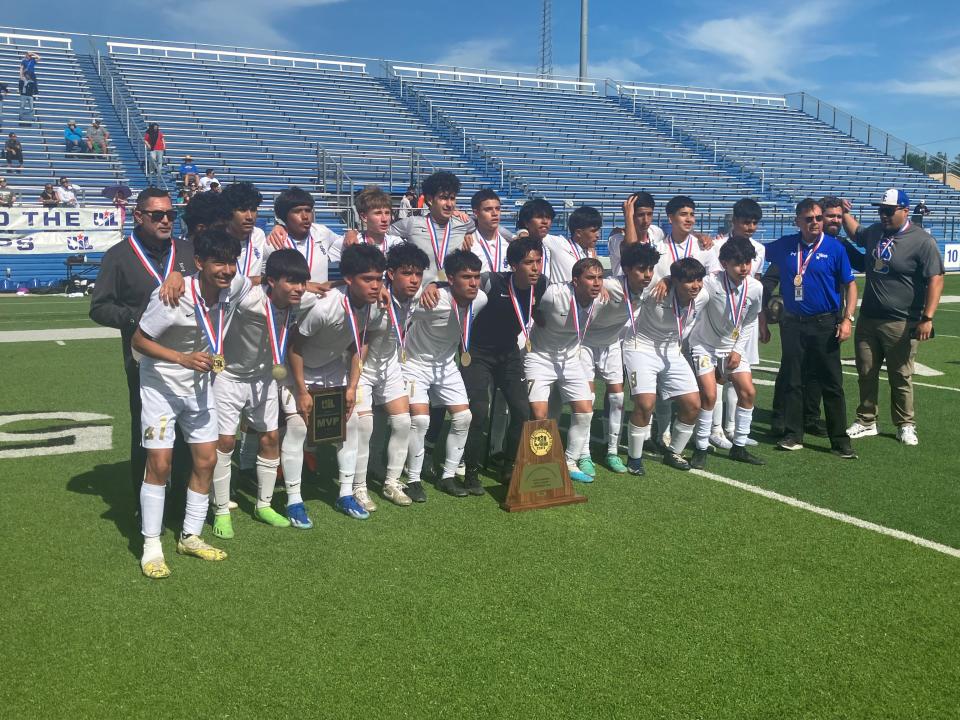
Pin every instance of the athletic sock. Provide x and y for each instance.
(704, 424)
(578, 435)
(291, 451)
(266, 480)
(364, 431)
(418, 435)
(636, 437)
(681, 436)
(347, 456)
(397, 445)
(151, 509)
(614, 422)
(249, 447)
(742, 429)
(456, 439)
(730, 402)
(718, 413)
(152, 550)
(221, 483)
(196, 513)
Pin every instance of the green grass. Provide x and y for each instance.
(664, 596)
(39, 312)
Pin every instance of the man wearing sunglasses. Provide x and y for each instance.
(904, 281)
(814, 268)
(130, 271)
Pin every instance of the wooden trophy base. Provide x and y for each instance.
(540, 476)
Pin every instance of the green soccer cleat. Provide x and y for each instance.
(271, 517)
(615, 464)
(223, 526)
(587, 467)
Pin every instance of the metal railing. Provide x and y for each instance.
(234, 55)
(422, 70)
(17, 36)
(694, 93)
(410, 166)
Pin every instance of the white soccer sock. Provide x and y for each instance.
(636, 436)
(196, 513)
(742, 428)
(151, 509)
(266, 480)
(730, 401)
(614, 422)
(347, 456)
(418, 435)
(364, 431)
(152, 550)
(291, 452)
(704, 423)
(578, 435)
(718, 413)
(249, 447)
(397, 446)
(221, 483)
(663, 414)
(681, 436)
(456, 439)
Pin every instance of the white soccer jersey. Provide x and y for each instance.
(670, 252)
(247, 345)
(325, 329)
(615, 246)
(662, 321)
(322, 247)
(558, 334)
(178, 328)
(416, 229)
(559, 257)
(756, 267)
(716, 330)
(382, 338)
(492, 251)
(253, 254)
(435, 333)
(609, 318)
(383, 245)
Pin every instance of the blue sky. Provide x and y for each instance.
(894, 64)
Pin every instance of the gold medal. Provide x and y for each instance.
(279, 372)
(441, 275)
(465, 359)
(529, 346)
(218, 363)
(736, 333)
(879, 265)
(797, 280)
(403, 356)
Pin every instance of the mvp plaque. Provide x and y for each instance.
(540, 476)
(328, 422)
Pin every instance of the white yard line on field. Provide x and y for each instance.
(97, 333)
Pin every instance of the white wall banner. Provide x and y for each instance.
(41, 231)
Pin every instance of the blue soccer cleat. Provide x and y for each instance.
(297, 514)
(349, 506)
(635, 466)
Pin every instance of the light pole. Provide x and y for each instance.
(584, 7)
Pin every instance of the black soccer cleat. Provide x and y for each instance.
(635, 466)
(699, 459)
(740, 454)
(450, 486)
(472, 483)
(677, 462)
(414, 491)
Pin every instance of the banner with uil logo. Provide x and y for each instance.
(45, 231)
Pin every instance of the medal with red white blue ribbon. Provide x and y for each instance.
(146, 262)
(355, 327)
(248, 257)
(580, 327)
(371, 241)
(397, 325)
(681, 317)
(629, 303)
(672, 245)
(278, 340)
(439, 248)
(736, 307)
(804, 263)
(883, 253)
(307, 251)
(213, 334)
(466, 330)
(493, 256)
(524, 321)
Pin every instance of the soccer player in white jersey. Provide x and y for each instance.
(179, 345)
(442, 230)
(431, 370)
(560, 253)
(329, 349)
(255, 348)
(535, 220)
(294, 213)
(382, 382)
(375, 210)
(556, 357)
(718, 345)
(638, 227)
(490, 240)
(747, 214)
(654, 362)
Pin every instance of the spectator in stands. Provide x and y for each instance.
(13, 153)
(4, 90)
(920, 212)
(904, 282)
(6, 194)
(28, 66)
(207, 181)
(97, 137)
(67, 193)
(29, 88)
(49, 197)
(406, 203)
(73, 139)
(155, 144)
(189, 171)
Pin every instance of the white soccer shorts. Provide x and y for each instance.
(661, 365)
(254, 399)
(569, 372)
(381, 382)
(607, 361)
(196, 416)
(751, 351)
(438, 384)
(706, 360)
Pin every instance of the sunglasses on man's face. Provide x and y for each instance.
(812, 219)
(888, 210)
(157, 216)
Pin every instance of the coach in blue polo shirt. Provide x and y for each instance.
(819, 298)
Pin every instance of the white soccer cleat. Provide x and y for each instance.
(719, 440)
(363, 497)
(907, 434)
(861, 430)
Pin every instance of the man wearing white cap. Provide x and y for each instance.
(904, 282)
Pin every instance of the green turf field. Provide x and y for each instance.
(671, 595)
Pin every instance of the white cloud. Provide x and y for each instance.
(940, 77)
(481, 54)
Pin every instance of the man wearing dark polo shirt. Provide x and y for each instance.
(500, 340)
(814, 270)
(904, 282)
(131, 270)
